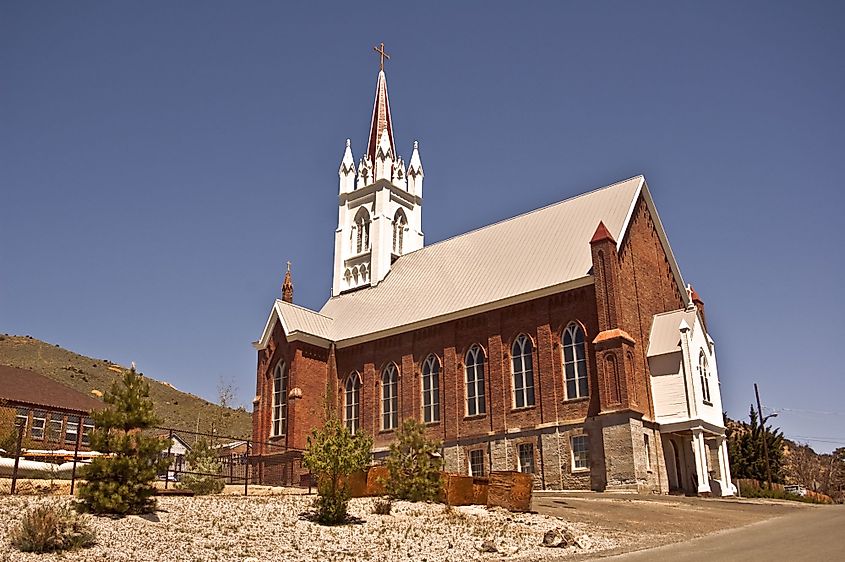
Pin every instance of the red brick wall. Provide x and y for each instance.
(647, 287)
(542, 320)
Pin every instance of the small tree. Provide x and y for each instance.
(745, 449)
(413, 465)
(203, 460)
(9, 431)
(333, 454)
(120, 481)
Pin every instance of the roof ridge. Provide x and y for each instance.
(304, 308)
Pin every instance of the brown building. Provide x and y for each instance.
(54, 415)
(562, 342)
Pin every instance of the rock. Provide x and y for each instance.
(488, 546)
(563, 538)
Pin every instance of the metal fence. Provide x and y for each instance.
(242, 462)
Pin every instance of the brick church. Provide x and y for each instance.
(562, 342)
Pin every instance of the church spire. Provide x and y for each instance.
(287, 287)
(381, 113)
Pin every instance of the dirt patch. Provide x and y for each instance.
(638, 522)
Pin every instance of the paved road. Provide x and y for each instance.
(809, 534)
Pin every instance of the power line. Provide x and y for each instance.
(832, 440)
(800, 411)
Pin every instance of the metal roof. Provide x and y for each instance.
(540, 249)
(665, 335)
(22, 387)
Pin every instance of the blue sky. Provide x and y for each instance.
(160, 161)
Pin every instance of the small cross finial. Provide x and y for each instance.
(288, 266)
(384, 55)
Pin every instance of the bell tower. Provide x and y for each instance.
(380, 202)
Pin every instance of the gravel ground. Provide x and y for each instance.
(275, 527)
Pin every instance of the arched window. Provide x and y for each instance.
(362, 230)
(704, 373)
(523, 372)
(399, 222)
(431, 389)
(574, 362)
(474, 367)
(280, 400)
(390, 397)
(352, 403)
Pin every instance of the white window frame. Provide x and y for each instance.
(279, 416)
(56, 425)
(430, 388)
(399, 222)
(352, 403)
(21, 417)
(522, 370)
(87, 428)
(572, 364)
(470, 455)
(519, 454)
(704, 374)
(476, 399)
(39, 425)
(390, 397)
(579, 446)
(72, 430)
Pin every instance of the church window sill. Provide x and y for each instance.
(574, 400)
(523, 408)
(475, 417)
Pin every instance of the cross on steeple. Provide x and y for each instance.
(384, 55)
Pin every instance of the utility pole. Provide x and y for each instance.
(765, 439)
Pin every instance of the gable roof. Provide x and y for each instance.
(665, 331)
(541, 252)
(29, 388)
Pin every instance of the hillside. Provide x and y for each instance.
(175, 408)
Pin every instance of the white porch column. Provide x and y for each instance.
(724, 467)
(700, 453)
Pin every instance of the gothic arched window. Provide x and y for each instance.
(280, 400)
(390, 397)
(352, 403)
(362, 230)
(704, 373)
(474, 367)
(431, 389)
(523, 372)
(399, 222)
(574, 361)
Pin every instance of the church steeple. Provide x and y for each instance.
(380, 206)
(381, 124)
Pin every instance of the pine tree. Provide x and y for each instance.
(747, 456)
(413, 465)
(333, 454)
(120, 481)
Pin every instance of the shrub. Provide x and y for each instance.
(413, 465)
(47, 528)
(333, 453)
(121, 481)
(382, 506)
(203, 459)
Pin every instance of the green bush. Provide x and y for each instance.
(121, 481)
(413, 465)
(747, 491)
(47, 528)
(203, 459)
(333, 453)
